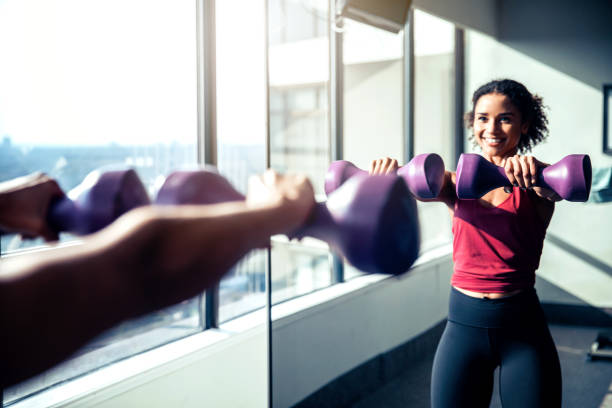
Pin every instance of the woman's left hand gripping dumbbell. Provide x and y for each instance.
(523, 171)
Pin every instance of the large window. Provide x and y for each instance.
(241, 133)
(299, 128)
(373, 98)
(95, 85)
(433, 112)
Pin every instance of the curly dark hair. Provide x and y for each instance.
(530, 106)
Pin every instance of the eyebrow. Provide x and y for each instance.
(501, 114)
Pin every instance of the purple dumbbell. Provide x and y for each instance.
(570, 177)
(102, 198)
(372, 221)
(424, 175)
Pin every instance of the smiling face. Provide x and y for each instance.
(498, 126)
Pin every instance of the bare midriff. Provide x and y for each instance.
(486, 295)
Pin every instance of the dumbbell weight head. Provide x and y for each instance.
(570, 177)
(338, 172)
(424, 175)
(99, 200)
(196, 187)
(371, 220)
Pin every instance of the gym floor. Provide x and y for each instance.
(586, 383)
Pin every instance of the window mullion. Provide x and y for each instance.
(409, 87)
(459, 91)
(207, 125)
(336, 111)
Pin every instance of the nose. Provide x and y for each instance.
(492, 126)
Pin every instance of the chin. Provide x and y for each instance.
(494, 151)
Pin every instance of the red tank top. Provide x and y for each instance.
(497, 249)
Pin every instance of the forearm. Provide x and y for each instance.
(52, 304)
(197, 245)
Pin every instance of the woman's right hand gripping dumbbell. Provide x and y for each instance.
(386, 165)
(424, 174)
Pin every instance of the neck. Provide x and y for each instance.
(499, 160)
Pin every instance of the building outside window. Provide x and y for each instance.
(241, 134)
(299, 129)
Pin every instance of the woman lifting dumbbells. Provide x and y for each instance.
(495, 318)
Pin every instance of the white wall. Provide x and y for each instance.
(480, 15)
(571, 36)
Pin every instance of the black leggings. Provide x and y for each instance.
(482, 334)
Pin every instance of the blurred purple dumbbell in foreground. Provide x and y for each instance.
(424, 175)
(372, 221)
(570, 177)
(99, 200)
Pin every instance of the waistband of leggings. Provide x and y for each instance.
(519, 309)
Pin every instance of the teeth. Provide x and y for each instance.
(491, 140)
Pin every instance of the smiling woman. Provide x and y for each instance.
(515, 108)
(497, 245)
(494, 314)
(498, 126)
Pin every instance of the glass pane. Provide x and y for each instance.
(433, 112)
(87, 85)
(298, 64)
(102, 98)
(299, 128)
(241, 143)
(373, 97)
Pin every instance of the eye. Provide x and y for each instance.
(482, 118)
(504, 119)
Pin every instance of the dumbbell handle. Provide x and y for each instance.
(424, 175)
(103, 198)
(570, 177)
(64, 215)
